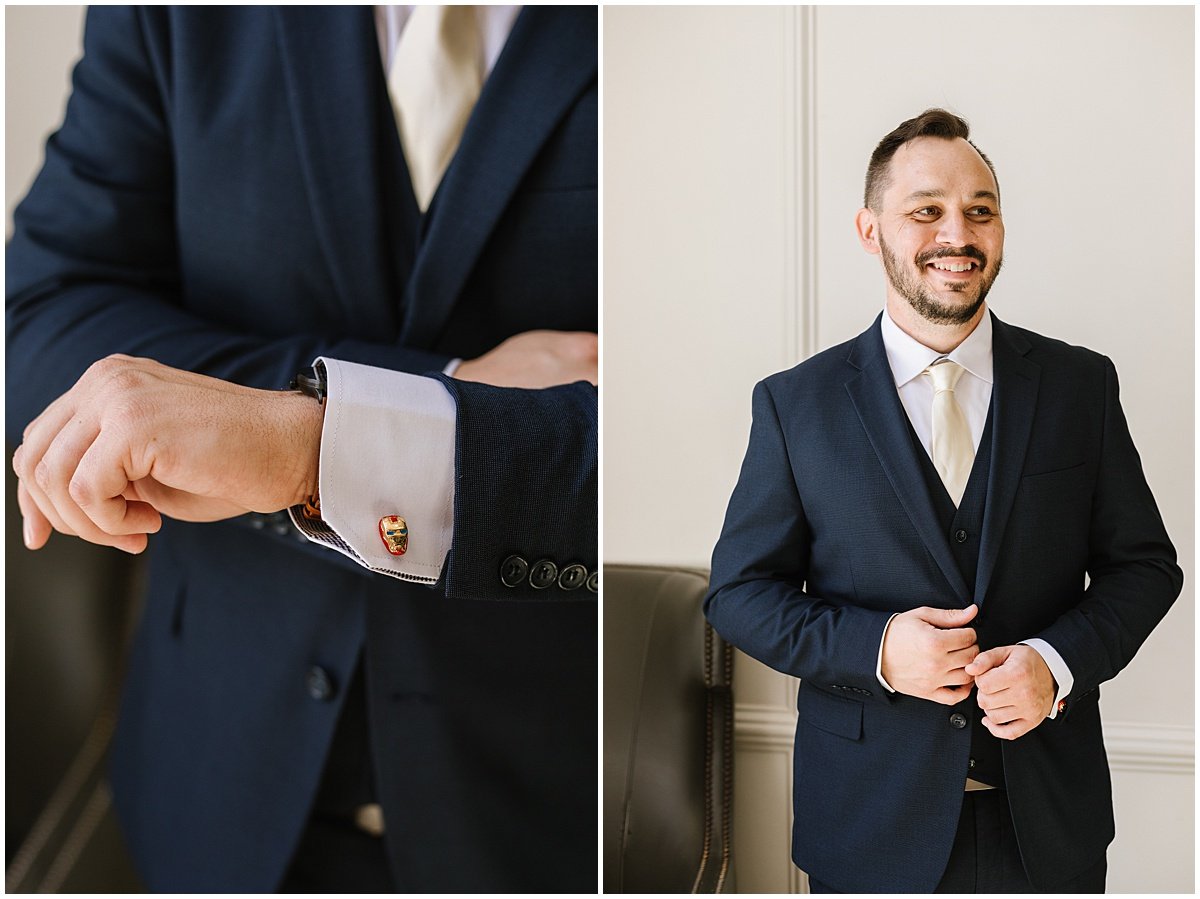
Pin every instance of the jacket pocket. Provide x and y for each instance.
(836, 715)
(1070, 471)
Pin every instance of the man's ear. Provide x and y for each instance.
(867, 226)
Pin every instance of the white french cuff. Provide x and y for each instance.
(387, 448)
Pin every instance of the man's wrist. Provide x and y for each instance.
(301, 422)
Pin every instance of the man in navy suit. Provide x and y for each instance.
(942, 528)
(229, 197)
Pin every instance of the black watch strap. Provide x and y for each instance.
(314, 386)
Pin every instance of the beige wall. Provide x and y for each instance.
(734, 147)
(41, 43)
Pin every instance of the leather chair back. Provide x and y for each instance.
(668, 735)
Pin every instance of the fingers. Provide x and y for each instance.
(956, 678)
(961, 658)
(947, 618)
(52, 490)
(951, 695)
(948, 631)
(955, 684)
(98, 485)
(996, 704)
(53, 472)
(1009, 730)
(957, 640)
(37, 527)
(986, 661)
(43, 508)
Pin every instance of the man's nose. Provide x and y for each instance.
(954, 230)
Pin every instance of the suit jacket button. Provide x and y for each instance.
(320, 685)
(513, 570)
(542, 574)
(960, 535)
(958, 720)
(572, 577)
(593, 582)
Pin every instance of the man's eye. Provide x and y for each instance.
(927, 212)
(980, 212)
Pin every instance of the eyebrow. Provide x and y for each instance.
(938, 194)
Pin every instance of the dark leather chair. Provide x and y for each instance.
(668, 735)
(68, 612)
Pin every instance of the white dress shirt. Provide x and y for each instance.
(495, 24)
(908, 359)
(387, 444)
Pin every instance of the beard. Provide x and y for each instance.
(907, 282)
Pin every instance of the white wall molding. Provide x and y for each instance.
(1148, 748)
(791, 115)
(763, 727)
(806, 90)
(1151, 748)
(800, 181)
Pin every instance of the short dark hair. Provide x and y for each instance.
(931, 123)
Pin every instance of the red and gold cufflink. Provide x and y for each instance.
(393, 531)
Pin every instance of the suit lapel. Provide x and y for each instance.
(1014, 398)
(332, 78)
(873, 391)
(548, 60)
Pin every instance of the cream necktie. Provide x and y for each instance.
(953, 453)
(435, 80)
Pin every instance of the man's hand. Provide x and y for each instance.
(1016, 689)
(926, 652)
(535, 359)
(133, 439)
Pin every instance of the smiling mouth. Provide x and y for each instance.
(954, 267)
(955, 273)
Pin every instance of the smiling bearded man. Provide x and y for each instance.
(913, 532)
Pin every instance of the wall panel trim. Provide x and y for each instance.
(800, 183)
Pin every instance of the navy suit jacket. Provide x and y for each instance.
(831, 530)
(228, 195)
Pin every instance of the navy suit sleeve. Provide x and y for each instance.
(525, 484)
(757, 599)
(1133, 576)
(93, 265)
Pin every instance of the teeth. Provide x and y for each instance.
(956, 267)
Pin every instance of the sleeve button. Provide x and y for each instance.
(572, 577)
(513, 571)
(542, 574)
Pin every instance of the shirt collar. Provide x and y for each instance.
(908, 357)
